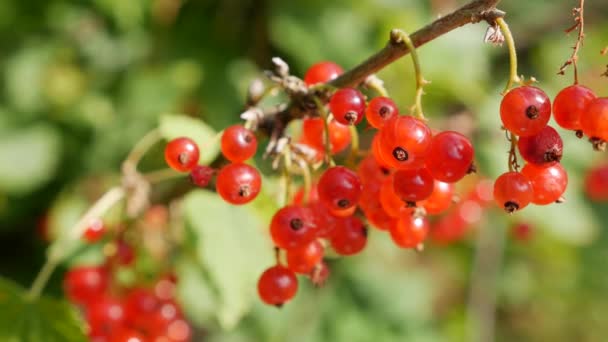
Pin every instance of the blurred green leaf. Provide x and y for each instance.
(174, 126)
(24, 78)
(41, 320)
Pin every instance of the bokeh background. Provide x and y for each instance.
(81, 82)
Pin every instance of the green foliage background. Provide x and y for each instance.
(81, 82)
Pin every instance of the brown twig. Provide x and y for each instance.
(579, 23)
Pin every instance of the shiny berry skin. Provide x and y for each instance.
(277, 285)
(440, 199)
(127, 335)
(370, 171)
(569, 106)
(139, 304)
(594, 122)
(85, 284)
(596, 183)
(548, 182)
(449, 157)
(380, 155)
(181, 154)
(238, 143)
(238, 183)
(339, 188)
(304, 258)
(201, 175)
(322, 72)
(404, 142)
(413, 185)
(350, 237)
(95, 231)
(409, 231)
(544, 148)
(324, 221)
(339, 134)
(391, 202)
(293, 226)
(379, 110)
(105, 316)
(513, 191)
(348, 106)
(525, 110)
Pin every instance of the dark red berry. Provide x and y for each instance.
(379, 110)
(181, 154)
(277, 285)
(201, 175)
(339, 188)
(449, 157)
(569, 106)
(238, 183)
(350, 237)
(293, 226)
(95, 231)
(348, 106)
(125, 254)
(304, 258)
(413, 185)
(525, 110)
(544, 148)
(238, 143)
(548, 182)
(513, 191)
(322, 72)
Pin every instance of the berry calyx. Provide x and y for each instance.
(350, 237)
(292, 226)
(181, 154)
(513, 191)
(379, 110)
(277, 285)
(449, 157)
(594, 122)
(413, 185)
(319, 274)
(322, 72)
(525, 110)
(348, 106)
(409, 231)
(238, 183)
(303, 259)
(238, 143)
(339, 188)
(544, 148)
(548, 182)
(569, 106)
(201, 175)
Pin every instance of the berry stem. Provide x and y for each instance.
(513, 163)
(327, 143)
(140, 148)
(42, 278)
(513, 77)
(354, 145)
(287, 174)
(399, 36)
(377, 85)
(306, 176)
(161, 175)
(579, 23)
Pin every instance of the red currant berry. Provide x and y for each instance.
(181, 154)
(391, 202)
(569, 106)
(522, 232)
(179, 331)
(441, 198)
(350, 237)
(85, 284)
(322, 72)
(95, 231)
(139, 304)
(339, 188)
(325, 222)
(339, 134)
(596, 183)
(525, 110)
(277, 285)
(105, 316)
(404, 142)
(293, 226)
(379, 154)
(594, 121)
(238, 183)
(370, 171)
(413, 185)
(379, 110)
(127, 335)
(125, 254)
(238, 143)
(513, 191)
(304, 258)
(409, 231)
(201, 175)
(548, 182)
(544, 148)
(348, 106)
(449, 157)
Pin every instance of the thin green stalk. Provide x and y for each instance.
(513, 77)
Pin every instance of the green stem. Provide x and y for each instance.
(161, 175)
(354, 145)
(142, 146)
(513, 77)
(307, 183)
(324, 115)
(42, 278)
(420, 82)
(287, 174)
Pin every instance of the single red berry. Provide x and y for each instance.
(313, 131)
(404, 142)
(413, 185)
(522, 232)
(160, 322)
(125, 254)
(450, 156)
(85, 284)
(179, 331)
(238, 143)
(525, 110)
(181, 154)
(105, 316)
(449, 228)
(548, 182)
(544, 148)
(127, 335)
(596, 183)
(238, 183)
(569, 106)
(322, 72)
(325, 222)
(379, 110)
(409, 231)
(379, 154)
(277, 285)
(350, 237)
(370, 171)
(440, 199)
(293, 226)
(392, 204)
(339, 188)
(319, 274)
(304, 258)
(594, 122)
(348, 106)
(372, 208)
(513, 191)
(95, 231)
(201, 175)
(139, 304)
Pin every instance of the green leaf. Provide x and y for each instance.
(29, 158)
(41, 320)
(175, 125)
(232, 248)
